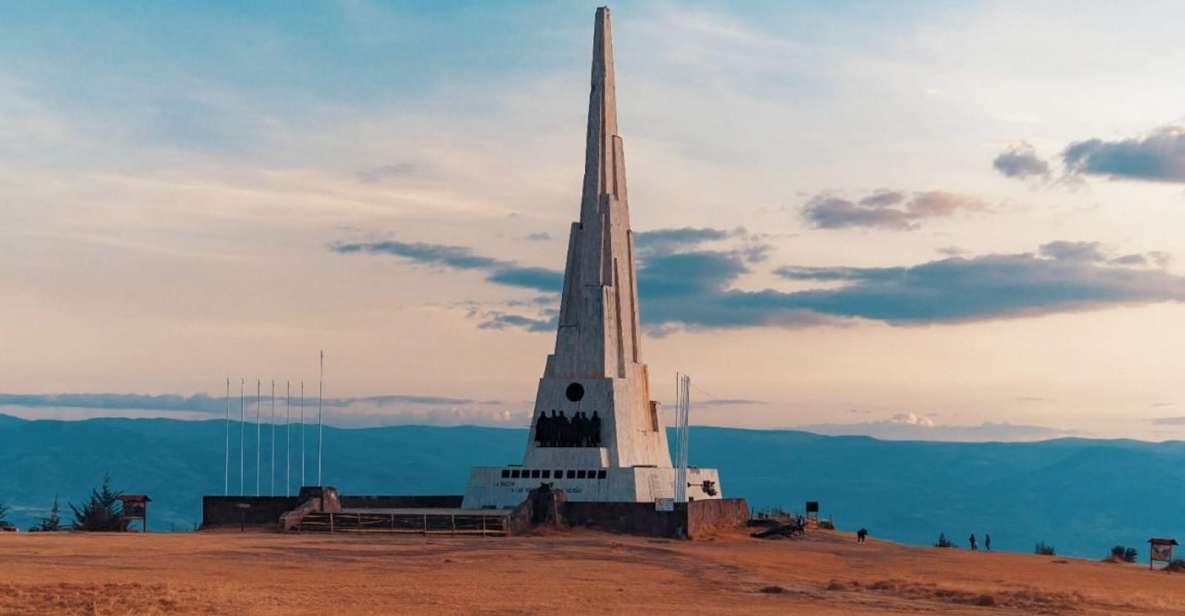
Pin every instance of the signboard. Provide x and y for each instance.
(134, 510)
(1162, 552)
(664, 504)
(812, 506)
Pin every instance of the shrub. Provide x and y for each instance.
(1125, 554)
(3, 514)
(943, 542)
(51, 522)
(1044, 550)
(102, 512)
(1177, 565)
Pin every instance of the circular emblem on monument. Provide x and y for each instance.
(575, 392)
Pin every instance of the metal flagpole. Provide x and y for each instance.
(678, 405)
(242, 429)
(273, 437)
(320, 430)
(258, 434)
(226, 465)
(302, 455)
(288, 439)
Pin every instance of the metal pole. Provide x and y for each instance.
(273, 437)
(258, 434)
(288, 439)
(226, 465)
(242, 429)
(302, 454)
(320, 429)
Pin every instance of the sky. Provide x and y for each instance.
(914, 220)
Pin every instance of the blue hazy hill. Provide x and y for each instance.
(1082, 496)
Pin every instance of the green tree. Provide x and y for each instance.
(51, 522)
(102, 512)
(3, 515)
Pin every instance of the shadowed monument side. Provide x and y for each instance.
(595, 432)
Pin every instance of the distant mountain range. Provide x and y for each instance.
(1081, 496)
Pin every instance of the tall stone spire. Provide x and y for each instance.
(595, 432)
(602, 142)
(598, 340)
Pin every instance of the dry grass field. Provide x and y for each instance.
(579, 572)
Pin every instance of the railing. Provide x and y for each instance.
(407, 523)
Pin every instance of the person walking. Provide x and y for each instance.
(971, 540)
(987, 542)
(861, 535)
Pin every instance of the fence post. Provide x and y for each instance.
(425, 524)
(331, 522)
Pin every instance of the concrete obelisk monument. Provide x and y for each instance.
(595, 432)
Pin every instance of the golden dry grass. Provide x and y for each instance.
(578, 572)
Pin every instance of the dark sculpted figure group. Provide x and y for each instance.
(557, 430)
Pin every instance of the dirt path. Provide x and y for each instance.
(581, 572)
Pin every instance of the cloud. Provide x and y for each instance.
(386, 172)
(1077, 251)
(910, 419)
(926, 430)
(1021, 161)
(715, 402)
(1160, 156)
(670, 240)
(696, 289)
(201, 403)
(542, 236)
(1062, 277)
(352, 411)
(879, 210)
(537, 278)
(882, 198)
(499, 271)
(1169, 421)
(502, 320)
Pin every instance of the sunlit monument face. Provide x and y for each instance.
(594, 419)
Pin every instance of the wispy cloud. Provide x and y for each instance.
(697, 288)
(382, 173)
(908, 426)
(885, 209)
(1062, 277)
(203, 403)
(671, 240)
(499, 271)
(389, 409)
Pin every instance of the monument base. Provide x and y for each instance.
(504, 487)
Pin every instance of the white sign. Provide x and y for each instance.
(664, 504)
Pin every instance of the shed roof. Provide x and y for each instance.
(1162, 541)
(135, 498)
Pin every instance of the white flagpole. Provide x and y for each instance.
(288, 439)
(242, 431)
(258, 434)
(226, 465)
(273, 437)
(320, 423)
(302, 454)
